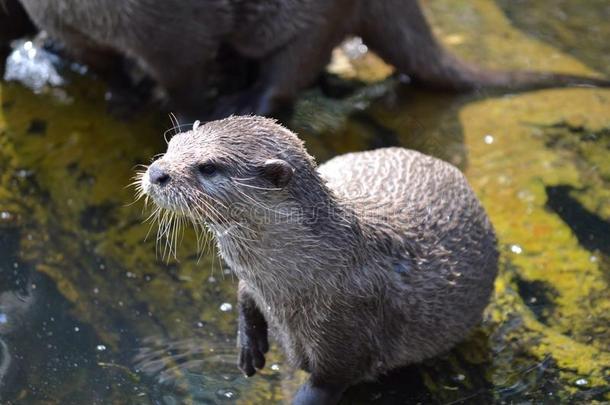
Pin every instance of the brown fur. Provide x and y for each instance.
(177, 43)
(370, 262)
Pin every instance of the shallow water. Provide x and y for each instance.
(89, 313)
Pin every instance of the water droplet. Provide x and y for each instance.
(275, 367)
(581, 382)
(593, 259)
(76, 329)
(129, 274)
(5, 215)
(199, 324)
(488, 139)
(96, 290)
(516, 249)
(100, 348)
(225, 307)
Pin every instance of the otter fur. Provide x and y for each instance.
(372, 261)
(177, 44)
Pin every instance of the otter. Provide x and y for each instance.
(372, 261)
(177, 43)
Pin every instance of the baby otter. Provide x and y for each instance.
(370, 262)
(177, 43)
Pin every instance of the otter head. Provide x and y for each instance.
(218, 172)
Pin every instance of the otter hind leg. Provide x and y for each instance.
(398, 31)
(294, 65)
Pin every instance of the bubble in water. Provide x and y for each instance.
(225, 307)
(516, 249)
(100, 348)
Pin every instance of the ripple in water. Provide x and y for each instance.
(201, 368)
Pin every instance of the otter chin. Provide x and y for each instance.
(369, 262)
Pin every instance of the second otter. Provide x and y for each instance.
(373, 261)
(177, 43)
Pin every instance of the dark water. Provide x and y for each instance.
(90, 312)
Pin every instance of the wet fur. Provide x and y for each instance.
(370, 262)
(177, 44)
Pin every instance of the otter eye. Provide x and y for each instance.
(207, 169)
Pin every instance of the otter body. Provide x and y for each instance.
(373, 261)
(177, 43)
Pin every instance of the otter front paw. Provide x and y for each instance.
(253, 345)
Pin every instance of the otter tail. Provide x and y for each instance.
(397, 30)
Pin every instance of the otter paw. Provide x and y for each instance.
(252, 353)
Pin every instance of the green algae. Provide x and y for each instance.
(575, 27)
(478, 30)
(513, 169)
(65, 165)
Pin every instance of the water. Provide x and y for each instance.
(90, 314)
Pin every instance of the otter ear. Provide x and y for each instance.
(278, 171)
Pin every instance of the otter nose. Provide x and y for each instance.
(157, 174)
